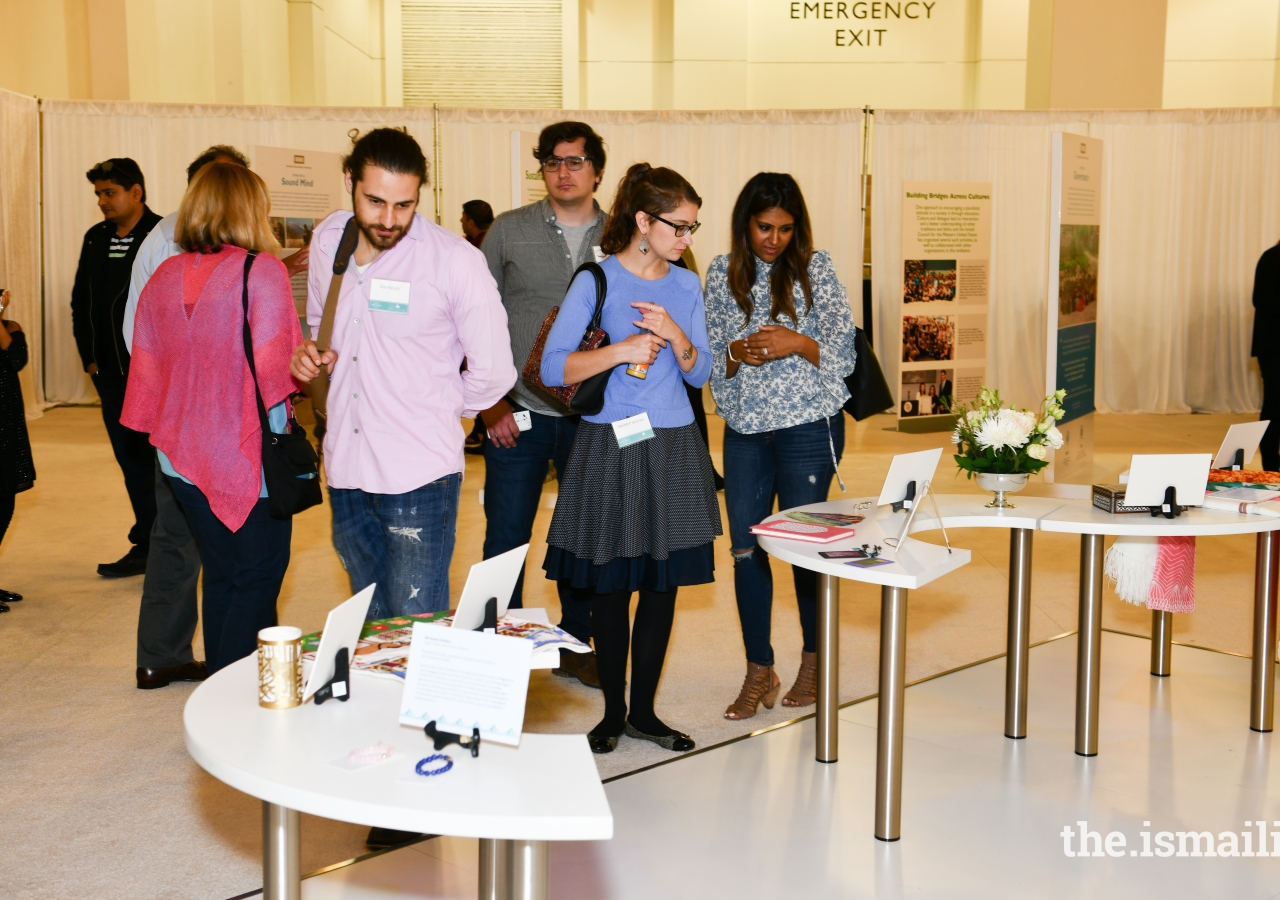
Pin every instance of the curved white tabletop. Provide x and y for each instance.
(971, 511)
(1080, 517)
(914, 565)
(547, 789)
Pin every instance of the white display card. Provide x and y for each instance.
(494, 577)
(905, 468)
(1246, 436)
(466, 679)
(1151, 474)
(342, 628)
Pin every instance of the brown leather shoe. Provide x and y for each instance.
(158, 678)
(760, 686)
(581, 666)
(805, 691)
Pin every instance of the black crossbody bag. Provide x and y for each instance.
(289, 462)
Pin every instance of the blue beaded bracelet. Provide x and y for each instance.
(435, 757)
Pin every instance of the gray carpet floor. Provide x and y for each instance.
(100, 799)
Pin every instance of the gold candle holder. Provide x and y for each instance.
(280, 667)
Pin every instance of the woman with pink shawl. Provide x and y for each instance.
(190, 388)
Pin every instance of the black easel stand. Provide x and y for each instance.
(490, 617)
(1238, 463)
(442, 739)
(339, 686)
(1170, 508)
(908, 501)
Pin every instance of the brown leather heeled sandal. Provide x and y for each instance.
(760, 686)
(805, 691)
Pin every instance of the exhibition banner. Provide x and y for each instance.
(1071, 348)
(946, 277)
(305, 186)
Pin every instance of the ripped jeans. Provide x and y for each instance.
(404, 542)
(794, 466)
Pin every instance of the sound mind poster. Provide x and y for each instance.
(946, 277)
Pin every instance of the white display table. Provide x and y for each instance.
(1092, 524)
(514, 800)
(915, 565)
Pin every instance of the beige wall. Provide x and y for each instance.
(1221, 53)
(324, 52)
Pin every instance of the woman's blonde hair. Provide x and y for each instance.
(225, 204)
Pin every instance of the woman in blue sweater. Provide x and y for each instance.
(637, 508)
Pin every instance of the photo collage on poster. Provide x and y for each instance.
(945, 273)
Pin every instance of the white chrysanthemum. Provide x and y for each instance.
(1053, 437)
(1037, 451)
(1005, 429)
(955, 436)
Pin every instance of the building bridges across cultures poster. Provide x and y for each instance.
(946, 279)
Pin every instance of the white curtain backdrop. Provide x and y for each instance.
(1189, 203)
(20, 232)
(716, 151)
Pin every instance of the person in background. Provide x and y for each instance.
(944, 391)
(17, 469)
(1266, 348)
(477, 216)
(783, 337)
(97, 311)
(644, 516)
(533, 252)
(192, 391)
(416, 302)
(169, 610)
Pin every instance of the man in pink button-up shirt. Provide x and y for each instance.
(415, 303)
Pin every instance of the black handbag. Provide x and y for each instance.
(289, 462)
(586, 398)
(868, 390)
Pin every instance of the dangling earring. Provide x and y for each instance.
(644, 243)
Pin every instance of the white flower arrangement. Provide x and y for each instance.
(1000, 440)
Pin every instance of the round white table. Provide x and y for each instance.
(914, 565)
(1092, 524)
(513, 799)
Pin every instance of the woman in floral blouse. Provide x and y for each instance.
(781, 333)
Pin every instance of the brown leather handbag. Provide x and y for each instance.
(586, 397)
(318, 390)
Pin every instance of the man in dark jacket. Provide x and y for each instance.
(1266, 347)
(97, 313)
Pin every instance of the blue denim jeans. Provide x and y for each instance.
(243, 571)
(403, 542)
(794, 466)
(513, 482)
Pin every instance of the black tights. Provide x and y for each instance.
(611, 631)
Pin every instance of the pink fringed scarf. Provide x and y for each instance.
(1159, 572)
(189, 384)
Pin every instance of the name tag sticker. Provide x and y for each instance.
(633, 430)
(524, 421)
(389, 296)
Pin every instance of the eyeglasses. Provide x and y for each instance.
(680, 230)
(572, 163)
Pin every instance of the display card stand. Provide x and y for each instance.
(339, 686)
(442, 739)
(490, 621)
(1238, 462)
(1170, 508)
(913, 503)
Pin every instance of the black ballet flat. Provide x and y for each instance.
(601, 744)
(676, 741)
(4, 608)
(9, 597)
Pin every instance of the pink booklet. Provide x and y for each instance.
(803, 531)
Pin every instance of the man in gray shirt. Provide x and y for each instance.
(532, 253)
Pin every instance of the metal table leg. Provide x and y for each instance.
(495, 880)
(893, 670)
(1262, 700)
(1161, 642)
(1089, 645)
(528, 870)
(281, 853)
(827, 725)
(1019, 641)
